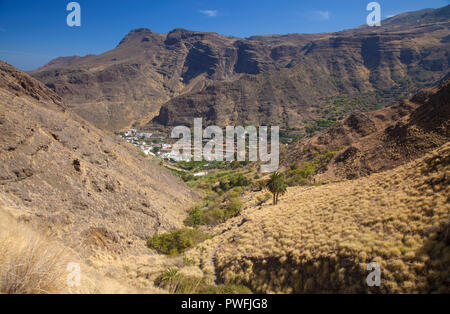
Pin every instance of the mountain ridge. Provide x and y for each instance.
(152, 75)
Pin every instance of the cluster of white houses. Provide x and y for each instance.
(160, 146)
(150, 144)
(154, 145)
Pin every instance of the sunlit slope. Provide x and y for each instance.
(320, 239)
(89, 187)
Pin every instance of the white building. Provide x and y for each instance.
(130, 133)
(144, 135)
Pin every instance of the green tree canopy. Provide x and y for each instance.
(277, 185)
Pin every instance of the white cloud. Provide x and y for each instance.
(209, 13)
(320, 15)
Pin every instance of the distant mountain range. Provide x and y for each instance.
(294, 80)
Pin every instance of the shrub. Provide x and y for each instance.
(215, 216)
(260, 185)
(173, 280)
(301, 176)
(224, 289)
(235, 164)
(239, 180)
(263, 198)
(177, 241)
(196, 218)
(307, 171)
(238, 190)
(234, 207)
(177, 283)
(224, 185)
(187, 177)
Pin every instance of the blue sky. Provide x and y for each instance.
(34, 32)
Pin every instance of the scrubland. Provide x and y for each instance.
(32, 262)
(28, 263)
(321, 239)
(318, 239)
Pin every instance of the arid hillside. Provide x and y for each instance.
(365, 143)
(321, 239)
(287, 80)
(89, 188)
(34, 262)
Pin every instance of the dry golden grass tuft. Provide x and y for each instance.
(33, 263)
(321, 239)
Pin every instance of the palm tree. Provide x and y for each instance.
(277, 185)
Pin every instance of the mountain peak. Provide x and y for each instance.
(21, 84)
(140, 34)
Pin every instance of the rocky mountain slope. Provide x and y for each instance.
(365, 143)
(90, 189)
(287, 80)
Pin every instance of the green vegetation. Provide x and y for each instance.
(238, 180)
(290, 136)
(216, 212)
(322, 158)
(200, 165)
(335, 108)
(263, 198)
(225, 289)
(300, 176)
(196, 217)
(304, 175)
(177, 282)
(277, 185)
(319, 125)
(221, 187)
(175, 242)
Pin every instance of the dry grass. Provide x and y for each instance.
(29, 263)
(32, 263)
(320, 239)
